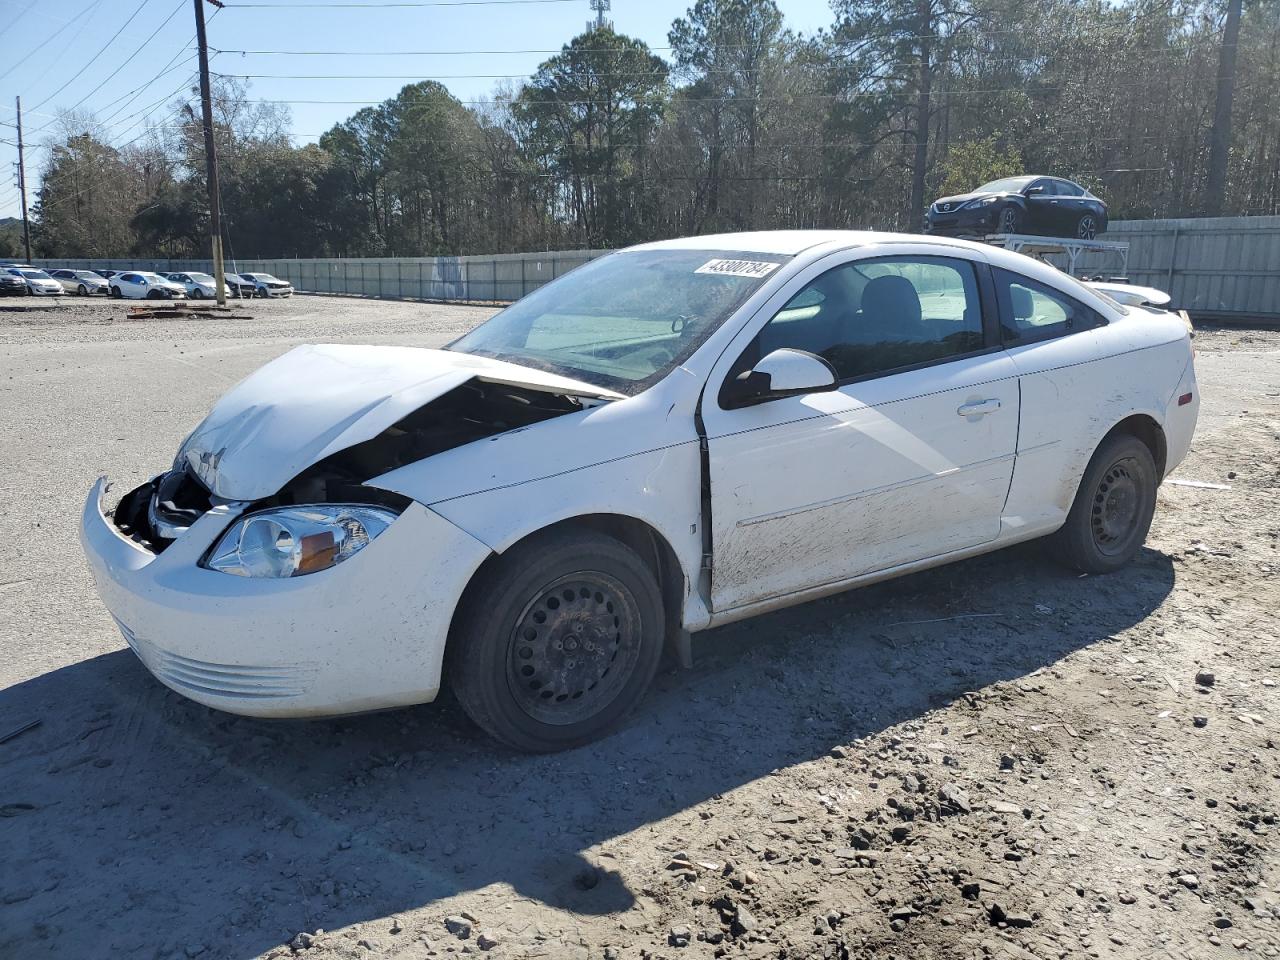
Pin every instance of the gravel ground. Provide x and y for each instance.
(993, 759)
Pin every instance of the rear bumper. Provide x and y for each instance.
(1180, 419)
(366, 635)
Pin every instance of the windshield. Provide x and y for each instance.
(1007, 185)
(35, 275)
(203, 277)
(626, 320)
(152, 277)
(87, 275)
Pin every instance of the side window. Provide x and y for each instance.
(874, 316)
(1031, 311)
(1066, 188)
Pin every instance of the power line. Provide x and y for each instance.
(46, 41)
(129, 59)
(94, 58)
(366, 6)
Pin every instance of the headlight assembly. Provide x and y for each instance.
(982, 202)
(293, 541)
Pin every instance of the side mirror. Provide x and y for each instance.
(1031, 190)
(783, 373)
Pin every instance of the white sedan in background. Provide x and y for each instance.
(199, 286)
(38, 282)
(144, 285)
(672, 437)
(265, 285)
(82, 282)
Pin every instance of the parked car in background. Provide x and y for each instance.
(669, 438)
(82, 282)
(265, 285)
(1037, 205)
(12, 286)
(144, 285)
(107, 274)
(199, 286)
(239, 286)
(38, 283)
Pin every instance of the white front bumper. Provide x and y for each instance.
(365, 635)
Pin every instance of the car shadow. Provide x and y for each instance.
(138, 823)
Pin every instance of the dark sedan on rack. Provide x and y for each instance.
(1041, 206)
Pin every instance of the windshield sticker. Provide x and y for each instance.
(739, 268)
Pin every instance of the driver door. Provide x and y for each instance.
(911, 457)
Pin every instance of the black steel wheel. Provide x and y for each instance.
(1087, 227)
(556, 640)
(1114, 504)
(1010, 220)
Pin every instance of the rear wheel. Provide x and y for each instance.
(557, 641)
(1112, 512)
(1010, 220)
(1087, 227)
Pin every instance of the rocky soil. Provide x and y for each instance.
(993, 759)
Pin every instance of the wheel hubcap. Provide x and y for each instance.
(1008, 221)
(1088, 229)
(1115, 507)
(573, 648)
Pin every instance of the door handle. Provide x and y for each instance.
(978, 408)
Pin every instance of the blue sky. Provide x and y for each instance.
(115, 84)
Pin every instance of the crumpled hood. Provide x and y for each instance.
(317, 400)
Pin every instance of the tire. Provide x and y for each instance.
(116, 293)
(82, 290)
(1087, 227)
(557, 641)
(1114, 504)
(1010, 220)
(197, 294)
(26, 291)
(262, 293)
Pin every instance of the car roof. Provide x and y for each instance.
(792, 242)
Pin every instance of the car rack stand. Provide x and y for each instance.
(1043, 247)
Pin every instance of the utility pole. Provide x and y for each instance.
(22, 186)
(210, 156)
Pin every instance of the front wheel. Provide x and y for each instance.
(116, 293)
(197, 294)
(262, 293)
(557, 641)
(1010, 220)
(82, 290)
(1112, 512)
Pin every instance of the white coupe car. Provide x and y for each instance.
(669, 438)
(144, 285)
(265, 285)
(39, 283)
(198, 286)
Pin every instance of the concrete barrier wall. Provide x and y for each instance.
(1223, 267)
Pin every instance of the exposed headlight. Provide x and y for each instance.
(982, 202)
(292, 541)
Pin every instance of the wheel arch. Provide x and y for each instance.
(640, 536)
(1147, 429)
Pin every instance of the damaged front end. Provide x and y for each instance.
(157, 513)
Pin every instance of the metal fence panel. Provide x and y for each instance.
(1225, 267)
